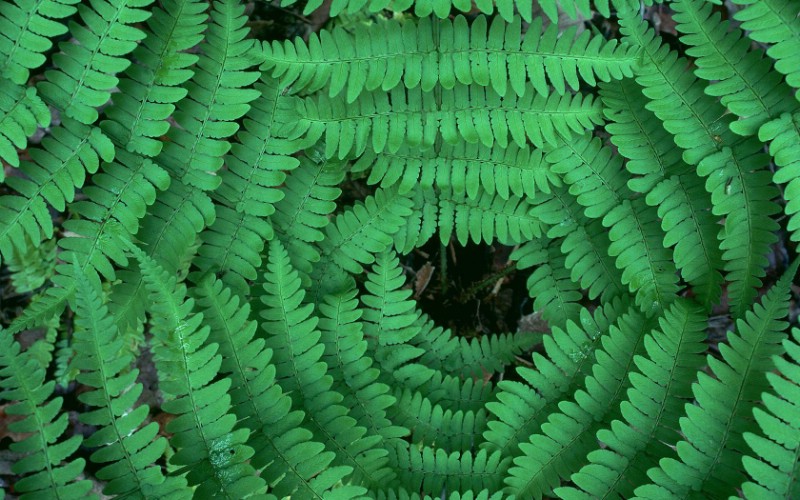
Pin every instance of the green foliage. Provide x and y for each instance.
(217, 244)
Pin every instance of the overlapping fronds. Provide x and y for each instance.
(45, 466)
(713, 428)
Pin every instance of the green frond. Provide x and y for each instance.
(213, 456)
(112, 209)
(737, 179)
(487, 219)
(384, 55)
(550, 286)
(432, 425)
(28, 28)
(21, 113)
(352, 368)
(463, 169)
(783, 135)
(421, 224)
(775, 22)
(121, 438)
(86, 70)
(217, 97)
(293, 461)
(713, 428)
(562, 443)
(683, 206)
(523, 406)
(32, 267)
(45, 466)
(385, 121)
(250, 187)
(291, 333)
(742, 78)
(775, 467)
(584, 243)
(433, 470)
(57, 169)
(310, 192)
(150, 88)
(356, 235)
(440, 8)
(650, 414)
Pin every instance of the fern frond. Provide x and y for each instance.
(150, 88)
(775, 467)
(310, 194)
(651, 411)
(784, 136)
(463, 168)
(33, 267)
(550, 286)
(292, 460)
(114, 204)
(432, 425)
(21, 112)
(433, 470)
(352, 369)
(561, 445)
(464, 113)
(121, 438)
(217, 96)
(45, 466)
(249, 190)
(737, 180)
(387, 54)
(210, 452)
(775, 22)
(291, 333)
(486, 219)
(742, 77)
(26, 35)
(522, 407)
(356, 235)
(713, 428)
(683, 206)
(86, 69)
(58, 168)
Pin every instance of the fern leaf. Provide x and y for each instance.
(150, 88)
(713, 428)
(743, 78)
(292, 335)
(293, 462)
(774, 467)
(86, 69)
(784, 134)
(463, 168)
(465, 113)
(523, 406)
(561, 445)
(387, 54)
(21, 112)
(553, 292)
(210, 452)
(775, 22)
(352, 369)
(57, 170)
(651, 411)
(737, 180)
(131, 446)
(683, 206)
(45, 466)
(433, 470)
(27, 30)
(249, 189)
